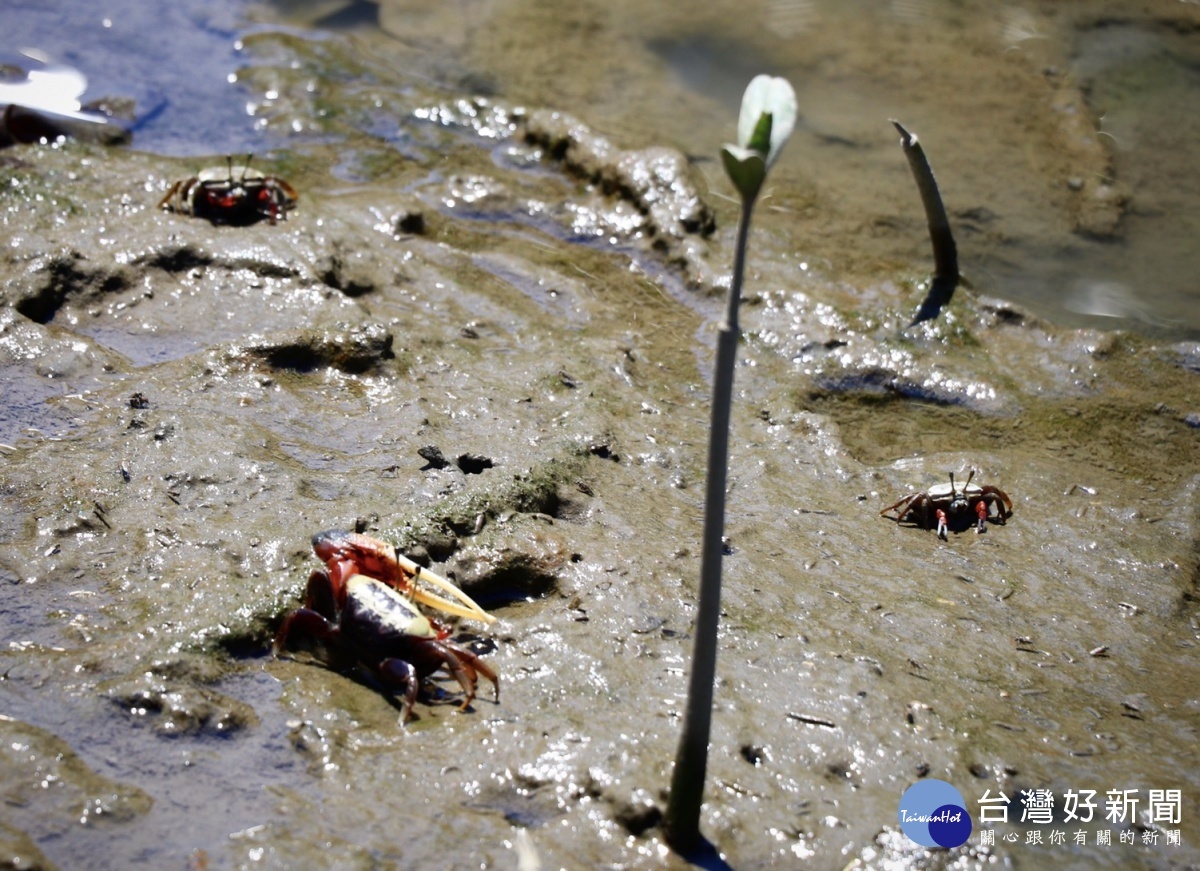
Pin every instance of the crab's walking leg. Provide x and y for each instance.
(999, 498)
(462, 672)
(398, 675)
(165, 202)
(905, 502)
(475, 664)
(321, 595)
(308, 622)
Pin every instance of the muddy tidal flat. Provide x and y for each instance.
(485, 335)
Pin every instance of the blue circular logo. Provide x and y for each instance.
(933, 813)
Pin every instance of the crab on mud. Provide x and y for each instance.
(953, 505)
(360, 611)
(346, 554)
(378, 629)
(235, 195)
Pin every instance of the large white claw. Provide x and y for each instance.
(468, 608)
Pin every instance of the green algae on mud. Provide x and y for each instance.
(1133, 425)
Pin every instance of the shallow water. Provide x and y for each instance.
(1025, 114)
(175, 61)
(852, 67)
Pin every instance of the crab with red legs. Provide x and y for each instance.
(350, 553)
(954, 504)
(235, 195)
(379, 630)
(360, 613)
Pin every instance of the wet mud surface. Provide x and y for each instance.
(485, 335)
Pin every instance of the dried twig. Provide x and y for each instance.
(945, 253)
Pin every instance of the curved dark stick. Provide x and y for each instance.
(945, 252)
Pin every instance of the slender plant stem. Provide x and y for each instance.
(682, 818)
(945, 252)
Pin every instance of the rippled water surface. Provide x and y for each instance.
(660, 77)
(177, 61)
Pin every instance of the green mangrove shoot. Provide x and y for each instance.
(766, 121)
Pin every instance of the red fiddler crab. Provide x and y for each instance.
(360, 611)
(953, 504)
(235, 195)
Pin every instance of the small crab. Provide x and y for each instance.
(346, 554)
(953, 504)
(235, 195)
(378, 629)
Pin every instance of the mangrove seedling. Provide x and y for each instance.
(945, 253)
(766, 120)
